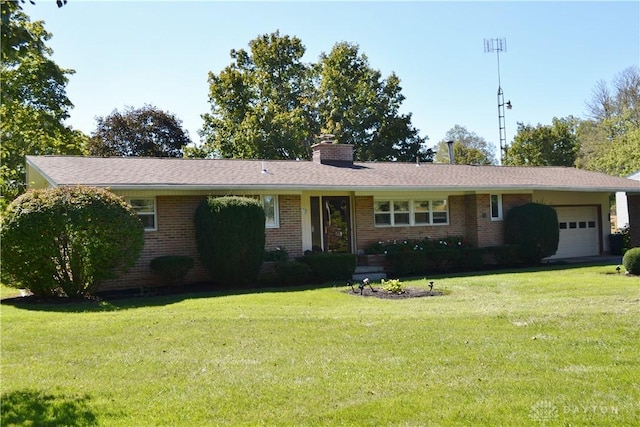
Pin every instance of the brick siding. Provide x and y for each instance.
(633, 205)
(469, 216)
(367, 233)
(289, 235)
(175, 235)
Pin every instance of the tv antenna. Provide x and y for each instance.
(497, 46)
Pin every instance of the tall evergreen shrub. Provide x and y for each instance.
(230, 237)
(534, 228)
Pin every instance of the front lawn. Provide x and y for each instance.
(552, 347)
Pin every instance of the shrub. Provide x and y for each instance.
(471, 258)
(330, 266)
(277, 255)
(504, 255)
(534, 227)
(173, 268)
(63, 241)
(408, 263)
(631, 261)
(393, 286)
(292, 272)
(230, 238)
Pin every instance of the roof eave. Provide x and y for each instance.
(263, 187)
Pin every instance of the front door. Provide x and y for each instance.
(331, 223)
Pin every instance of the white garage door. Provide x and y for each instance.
(578, 232)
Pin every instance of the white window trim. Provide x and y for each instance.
(154, 214)
(499, 217)
(276, 209)
(412, 221)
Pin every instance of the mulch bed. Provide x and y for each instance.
(406, 293)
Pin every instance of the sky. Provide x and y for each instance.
(127, 54)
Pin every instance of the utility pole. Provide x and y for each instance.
(497, 46)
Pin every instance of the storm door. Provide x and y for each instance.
(331, 223)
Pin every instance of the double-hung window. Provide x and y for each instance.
(145, 207)
(409, 212)
(496, 207)
(270, 205)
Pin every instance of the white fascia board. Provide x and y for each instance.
(357, 190)
(31, 166)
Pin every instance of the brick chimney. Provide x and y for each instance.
(327, 153)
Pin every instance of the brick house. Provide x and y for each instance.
(335, 204)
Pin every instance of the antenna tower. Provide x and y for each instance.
(497, 46)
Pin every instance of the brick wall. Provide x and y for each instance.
(176, 236)
(329, 153)
(633, 206)
(367, 233)
(289, 235)
(469, 216)
(491, 233)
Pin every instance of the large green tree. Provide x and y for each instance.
(610, 137)
(468, 148)
(360, 108)
(261, 104)
(270, 104)
(34, 104)
(544, 145)
(146, 131)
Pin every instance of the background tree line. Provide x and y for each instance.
(268, 103)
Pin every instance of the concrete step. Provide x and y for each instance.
(363, 269)
(373, 276)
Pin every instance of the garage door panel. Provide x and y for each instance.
(578, 232)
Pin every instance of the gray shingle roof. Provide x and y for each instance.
(172, 173)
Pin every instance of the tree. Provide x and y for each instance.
(544, 145)
(533, 227)
(146, 131)
(219, 222)
(262, 104)
(360, 108)
(468, 148)
(64, 241)
(610, 137)
(34, 101)
(269, 104)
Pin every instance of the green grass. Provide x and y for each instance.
(558, 346)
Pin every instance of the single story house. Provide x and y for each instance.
(335, 204)
(622, 211)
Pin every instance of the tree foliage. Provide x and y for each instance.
(468, 148)
(270, 104)
(610, 137)
(544, 145)
(64, 241)
(533, 227)
(230, 235)
(261, 104)
(631, 261)
(34, 101)
(146, 131)
(360, 108)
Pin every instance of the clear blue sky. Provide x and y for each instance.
(160, 52)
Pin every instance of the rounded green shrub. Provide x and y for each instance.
(534, 228)
(631, 261)
(173, 268)
(330, 266)
(230, 235)
(63, 241)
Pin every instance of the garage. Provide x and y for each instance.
(579, 232)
